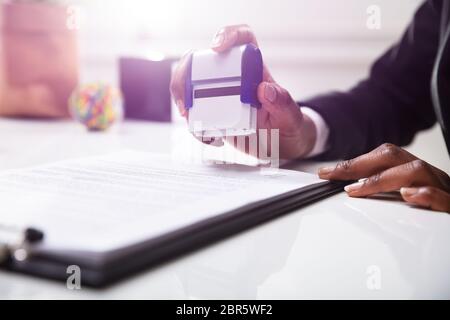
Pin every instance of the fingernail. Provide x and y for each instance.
(270, 93)
(218, 40)
(408, 192)
(353, 187)
(325, 171)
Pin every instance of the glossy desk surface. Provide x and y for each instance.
(337, 248)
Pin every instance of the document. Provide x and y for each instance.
(108, 202)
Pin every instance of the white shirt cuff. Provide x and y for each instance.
(322, 132)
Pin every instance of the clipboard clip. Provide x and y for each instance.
(15, 242)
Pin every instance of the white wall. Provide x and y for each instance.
(310, 46)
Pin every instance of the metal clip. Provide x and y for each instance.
(15, 242)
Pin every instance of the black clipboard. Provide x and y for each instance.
(112, 266)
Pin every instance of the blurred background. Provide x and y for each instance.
(300, 39)
(309, 46)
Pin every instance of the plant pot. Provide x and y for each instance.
(39, 51)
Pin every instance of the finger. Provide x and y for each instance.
(414, 173)
(280, 111)
(177, 83)
(276, 100)
(382, 158)
(232, 36)
(427, 197)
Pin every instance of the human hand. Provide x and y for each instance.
(390, 168)
(297, 132)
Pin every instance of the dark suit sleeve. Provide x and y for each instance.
(394, 102)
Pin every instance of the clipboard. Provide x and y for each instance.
(112, 266)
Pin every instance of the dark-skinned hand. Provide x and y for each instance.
(391, 168)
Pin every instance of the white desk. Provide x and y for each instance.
(337, 248)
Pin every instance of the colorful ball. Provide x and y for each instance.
(96, 105)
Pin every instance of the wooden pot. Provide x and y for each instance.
(40, 56)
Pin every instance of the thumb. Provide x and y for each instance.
(278, 102)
